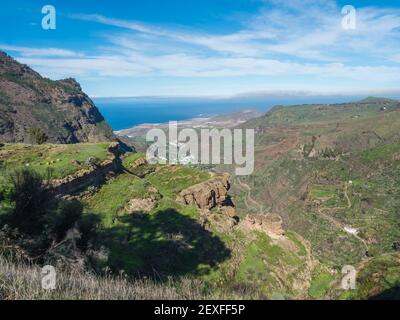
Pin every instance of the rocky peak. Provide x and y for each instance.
(71, 82)
(59, 109)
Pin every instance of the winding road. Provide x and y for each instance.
(248, 198)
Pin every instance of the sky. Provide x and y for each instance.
(210, 47)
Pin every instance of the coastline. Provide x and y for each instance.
(226, 120)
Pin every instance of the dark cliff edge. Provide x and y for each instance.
(58, 109)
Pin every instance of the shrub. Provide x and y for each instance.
(43, 223)
(37, 136)
(29, 197)
(64, 218)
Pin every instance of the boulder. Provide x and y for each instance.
(113, 148)
(229, 211)
(208, 194)
(138, 163)
(269, 223)
(141, 205)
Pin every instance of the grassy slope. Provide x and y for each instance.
(319, 196)
(57, 158)
(170, 240)
(311, 194)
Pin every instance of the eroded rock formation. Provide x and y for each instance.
(269, 223)
(141, 205)
(208, 194)
(93, 176)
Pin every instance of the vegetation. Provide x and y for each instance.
(19, 281)
(171, 180)
(331, 172)
(60, 160)
(38, 225)
(320, 283)
(37, 136)
(379, 279)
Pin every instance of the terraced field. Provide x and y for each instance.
(338, 186)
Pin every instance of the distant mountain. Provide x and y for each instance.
(378, 100)
(31, 104)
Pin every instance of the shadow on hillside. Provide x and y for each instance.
(389, 294)
(163, 244)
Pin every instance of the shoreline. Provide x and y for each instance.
(226, 120)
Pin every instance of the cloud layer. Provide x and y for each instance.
(284, 39)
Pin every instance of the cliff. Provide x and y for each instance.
(208, 194)
(59, 110)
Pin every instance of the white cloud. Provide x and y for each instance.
(308, 30)
(293, 38)
(41, 52)
(182, 65)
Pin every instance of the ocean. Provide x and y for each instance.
(124, 113)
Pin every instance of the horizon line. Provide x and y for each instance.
(258, 94)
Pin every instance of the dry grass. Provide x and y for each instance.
(23, 282)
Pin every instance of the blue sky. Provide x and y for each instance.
(209, 47)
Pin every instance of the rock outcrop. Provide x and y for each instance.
(58, 110)
(141, 205)
(138, 163)
(141, 167)
(270, 224)
(208, 194)
(91, 177)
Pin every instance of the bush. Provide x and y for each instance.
(37, 136)
(38, 223)
(92, 161)
(29, 197)
(64, 218)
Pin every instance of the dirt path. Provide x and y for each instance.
(340, 225)
(248, 198)
(347, 196)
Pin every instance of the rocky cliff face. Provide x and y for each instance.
(59, 109)
(208, 194)
(271, 224)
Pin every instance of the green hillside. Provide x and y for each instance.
(330, 173)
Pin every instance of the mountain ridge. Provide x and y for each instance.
(58, 109)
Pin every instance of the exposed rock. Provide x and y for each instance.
(141, 168)
(58, 108)
(269, 223)
(141, 205)
(114, 148)
(152, 189)
(137, 163)
(92, 177)
(229, 211)
(76, 162)
(221, 222)
(208, 194)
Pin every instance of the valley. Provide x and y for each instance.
(325, 194)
